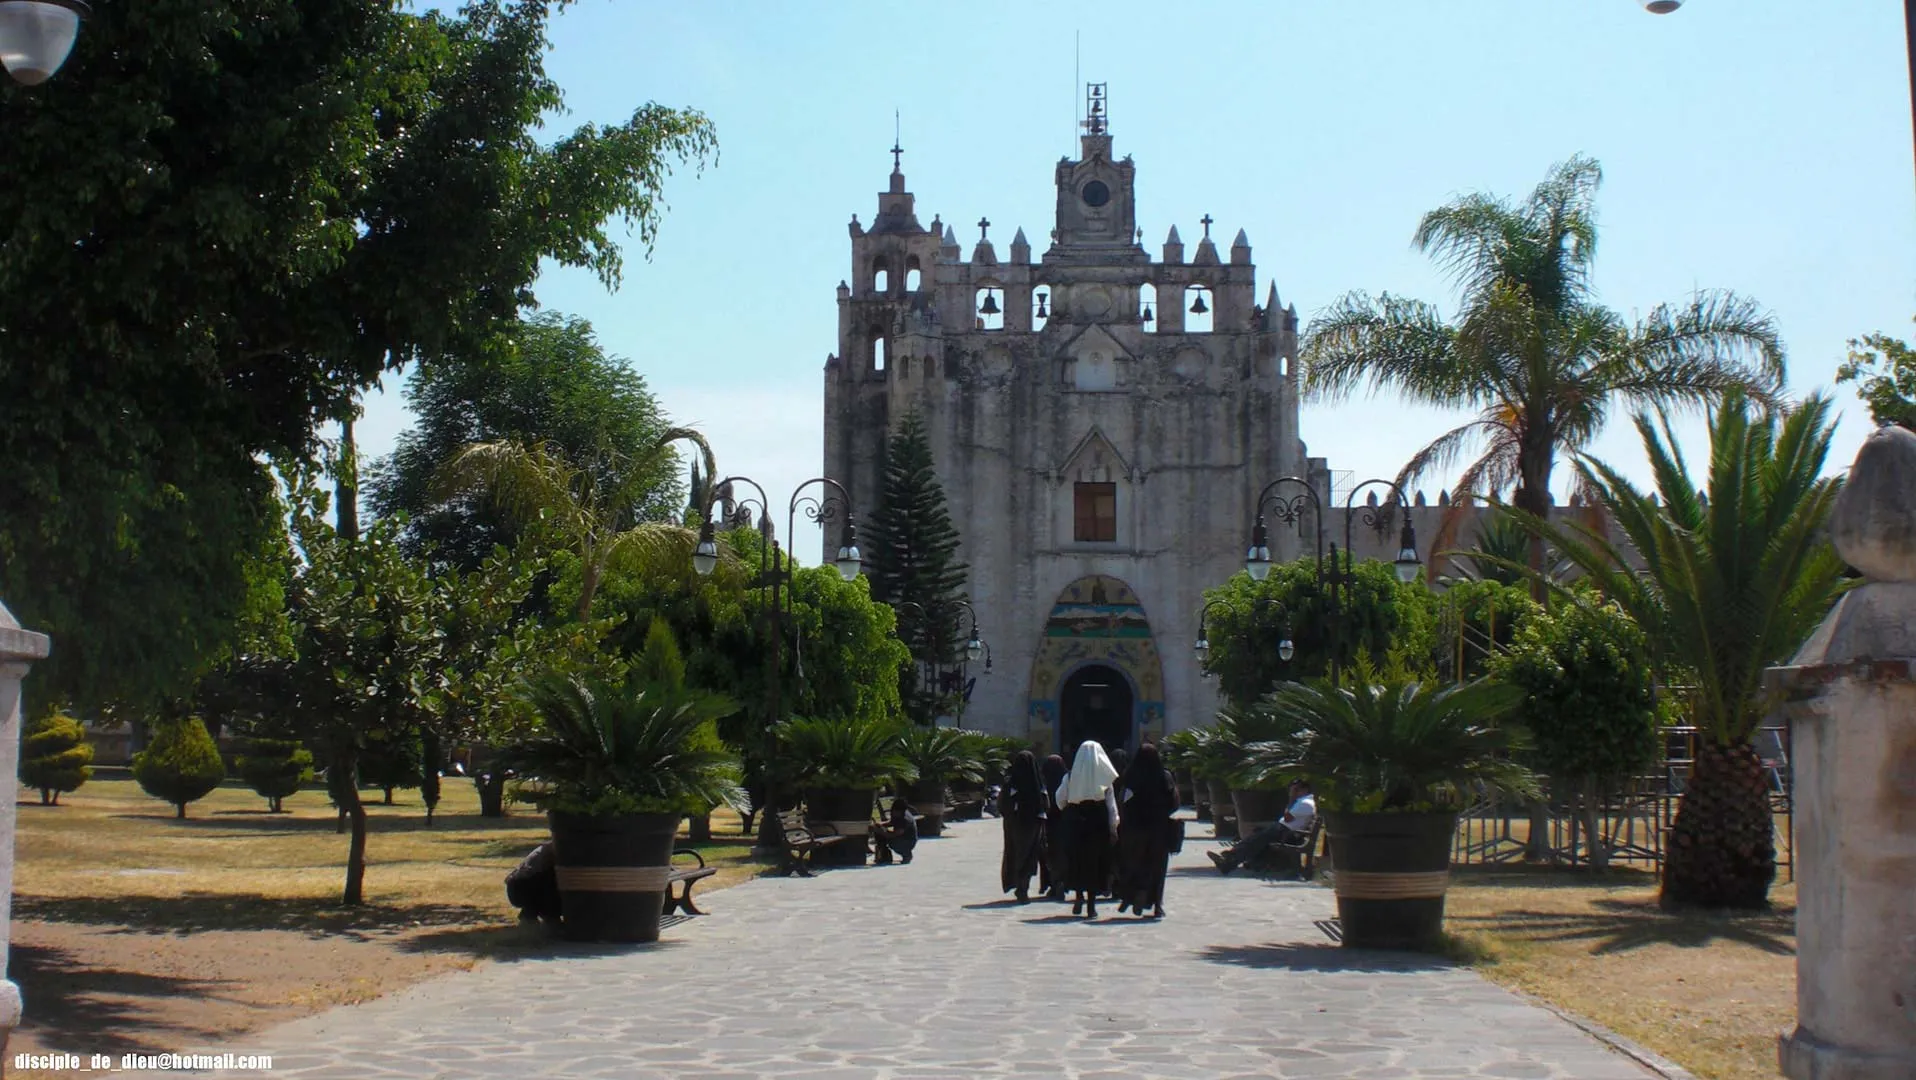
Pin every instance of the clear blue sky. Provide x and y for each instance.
(1758, 145)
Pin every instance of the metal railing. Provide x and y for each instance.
(1633, 823)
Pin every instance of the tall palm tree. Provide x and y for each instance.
(590, 506)
(1530, 349)
(1734, 579)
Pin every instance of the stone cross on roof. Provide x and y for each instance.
(1206, 222)
(983, 224)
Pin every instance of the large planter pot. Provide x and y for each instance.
(927, 799)
(849, 811)
(612, 874)
(1390, 873)
(1223, 812)
(1257, 809)
(964, 802)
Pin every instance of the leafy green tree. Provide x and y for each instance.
(1734, 577)
(226, 221)
(1589, 705)
(911, 550)
(365, 667)
(1377, 614)
(275, 768)
(55, 757)
(1884, 371)
(1530, 348)
(546, 379)
(181, 764)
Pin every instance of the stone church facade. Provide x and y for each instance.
(1101, 423)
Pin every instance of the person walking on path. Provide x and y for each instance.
(1052, 862)
(1147, 799)
(1091, 826)
(1022, 807)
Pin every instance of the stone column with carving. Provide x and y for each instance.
(18, 650)
(1850, 694)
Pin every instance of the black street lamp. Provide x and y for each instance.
(975, 647)
(1285, 647)
(834, 504)
(37, 35)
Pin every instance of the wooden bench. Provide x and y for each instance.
(802, 838)
(682, 879)
(1303, 850)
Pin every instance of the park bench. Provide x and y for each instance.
(1304, 850)
(682, 879)
(802, 838)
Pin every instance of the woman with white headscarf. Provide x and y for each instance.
(1091, 824)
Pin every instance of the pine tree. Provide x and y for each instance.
(661, 663)
(275, 768)
(181, 764)
(912, 553)
(55, 757)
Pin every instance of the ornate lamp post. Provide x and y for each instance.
(974, 648)
(1285, 647)
(37, 35)
(833, 505)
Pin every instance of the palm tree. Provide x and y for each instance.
(1531, 350)
(590, 506)
(1734, 579)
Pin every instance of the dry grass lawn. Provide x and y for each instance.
(1710, 992)
(133, 930)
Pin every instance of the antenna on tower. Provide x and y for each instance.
(1077, 74)
(896, 150)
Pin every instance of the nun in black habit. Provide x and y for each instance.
(1091, 824)
(1051, 866)
(1022, 808)
(1147, 799)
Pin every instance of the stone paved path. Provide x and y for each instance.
(921, 972)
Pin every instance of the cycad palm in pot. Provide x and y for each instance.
(1393, 761)
(616, 768)
(840, 763)
(940, 757)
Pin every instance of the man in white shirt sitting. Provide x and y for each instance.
(1288, 833)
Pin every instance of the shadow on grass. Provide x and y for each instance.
(1299, 956)
(260, 821)
(1621, 925)
(1545, 876)
(198, 912)
(71, 1006)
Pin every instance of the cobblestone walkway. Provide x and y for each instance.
(921, 972)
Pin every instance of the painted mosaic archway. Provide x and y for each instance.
(1096, 620)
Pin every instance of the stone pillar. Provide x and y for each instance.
(18, 650)
(1850, 694)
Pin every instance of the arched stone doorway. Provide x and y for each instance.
(1096, 629)
(1096, 703)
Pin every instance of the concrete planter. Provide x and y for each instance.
(927, 799)
(1223, 811)
(612, 874)
(849, 811)
(1257, 809)
(1391, 873)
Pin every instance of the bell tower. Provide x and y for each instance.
(1097, 204)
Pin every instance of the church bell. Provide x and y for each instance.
(990, 306)
(1197, 306)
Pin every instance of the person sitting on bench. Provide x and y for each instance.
(1288, 832)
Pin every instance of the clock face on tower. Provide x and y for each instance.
(1096, 193)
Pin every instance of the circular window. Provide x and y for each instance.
(1096, 194)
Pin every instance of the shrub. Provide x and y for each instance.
(391, 763)
(181, 764)
(275, 768)
(55, 757)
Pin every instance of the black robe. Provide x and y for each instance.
(1144, 842)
